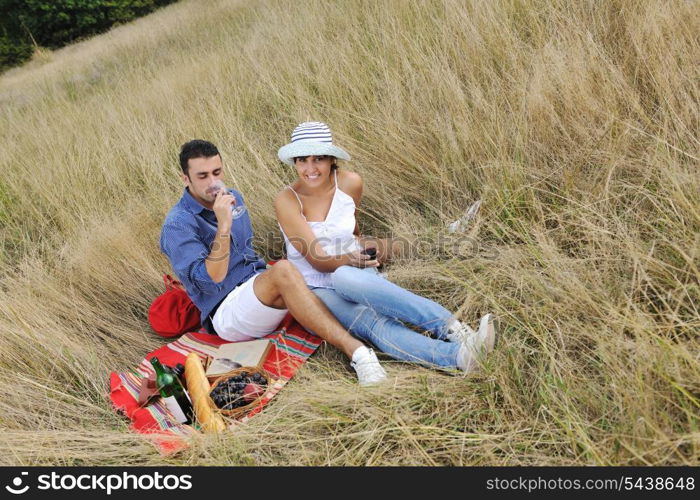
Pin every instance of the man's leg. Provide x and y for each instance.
(283, 287)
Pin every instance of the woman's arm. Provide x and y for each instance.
(303, 239)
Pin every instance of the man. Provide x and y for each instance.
(211, 252)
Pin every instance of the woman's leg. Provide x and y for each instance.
(389, 335)
(367, 287)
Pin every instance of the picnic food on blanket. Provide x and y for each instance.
(239, 390)
(291, 347)
(198, 386)
(174, 395)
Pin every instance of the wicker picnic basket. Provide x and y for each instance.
(241, 410)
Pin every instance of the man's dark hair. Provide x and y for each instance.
(196, 149)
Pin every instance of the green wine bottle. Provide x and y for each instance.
(174, 395)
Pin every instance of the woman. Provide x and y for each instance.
(317, 217)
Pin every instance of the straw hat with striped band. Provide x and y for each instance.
(311, 138)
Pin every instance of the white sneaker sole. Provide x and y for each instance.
(487, 332)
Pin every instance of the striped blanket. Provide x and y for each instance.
(291, 346)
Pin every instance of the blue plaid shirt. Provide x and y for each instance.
(186, 238)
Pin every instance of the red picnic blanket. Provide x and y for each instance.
(291, 346)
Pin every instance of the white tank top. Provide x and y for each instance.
(335, 235)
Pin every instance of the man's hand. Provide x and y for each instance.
(222, 209)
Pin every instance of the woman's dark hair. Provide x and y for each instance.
(196, 149)
(334, 165)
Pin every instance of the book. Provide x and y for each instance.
(236, 354)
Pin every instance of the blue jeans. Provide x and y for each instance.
(373, 308)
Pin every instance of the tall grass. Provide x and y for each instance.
(576, 123)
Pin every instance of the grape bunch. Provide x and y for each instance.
(238, 390)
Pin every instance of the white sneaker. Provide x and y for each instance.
(475, 347)
(366, 364)
(459, 332)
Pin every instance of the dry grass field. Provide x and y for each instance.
(575, 122)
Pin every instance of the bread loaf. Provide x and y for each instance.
(198, 387)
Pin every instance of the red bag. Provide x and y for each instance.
(173, 313)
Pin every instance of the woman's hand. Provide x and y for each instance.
(358, 259)
(382, 246)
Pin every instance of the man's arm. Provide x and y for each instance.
(216, 262)
(187, 254)
(201, 267)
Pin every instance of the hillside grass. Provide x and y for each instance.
(576, 123)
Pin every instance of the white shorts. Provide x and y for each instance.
(241, 316)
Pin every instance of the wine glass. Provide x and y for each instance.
(236, 210)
